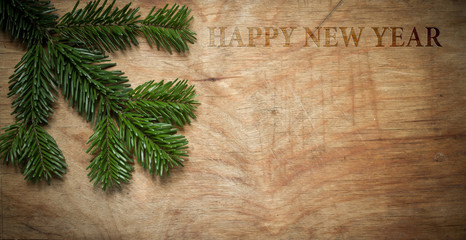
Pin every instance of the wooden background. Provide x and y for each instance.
(290, 142)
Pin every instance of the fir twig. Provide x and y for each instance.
(26, 143)
(33, 84)
(12, 144)
(85, 78)
(109, 28)
(27, 20)
(111, 163)
(100, 27)
(173, 102)
(105, 94)
(168, 28)
(155, 145)
(32, 149)
(69, 55)
(44, 158)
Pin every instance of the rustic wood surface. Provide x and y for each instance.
(290, 142)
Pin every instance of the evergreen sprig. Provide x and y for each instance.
(109, 28)
(155, 145)
(33, 84)
(31, 148)
(69, 54)
(111, 164)
(27, 20)
(172, 102)
(84, 77)
(169, 27)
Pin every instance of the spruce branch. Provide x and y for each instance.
(111, 164)
(69, 55)
(26, 144)
(84, 78)
(43, 157)
(28, 21)
(156, 146)
(33, 84)
(100, 27)
(109, 28)
(31, 148)
(168, 28)
(173, 101)
(12, 144)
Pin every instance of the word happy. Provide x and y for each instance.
(323, 36)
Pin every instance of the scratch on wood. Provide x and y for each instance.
(352, 96)
(325, 19)
(323, 113)
(304, 110)
(418, 138)
(213, 79)
(32, 228)
(373, 92)
(329, 14)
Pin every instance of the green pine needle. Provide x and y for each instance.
(32, 149)
(28, 21)
(100, 27)
(84, 78)
(168, 28)
(33, 84)
(69, 54)
(44, 158)
(12, 144)
(173, 102)
(111, 163)
(155, 145)
(109, 28)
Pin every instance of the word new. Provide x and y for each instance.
(322, 36)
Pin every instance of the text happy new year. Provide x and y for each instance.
(323, 36)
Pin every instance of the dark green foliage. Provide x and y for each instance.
(26, 144)
(156, 145)
(27, 20)
(43, 157)
(103, 27)
(33, 84)
(172, 102)
(32, 149)
(84, 78)
(169, 27)
(111, 164)
(11, 144)
(69, 55)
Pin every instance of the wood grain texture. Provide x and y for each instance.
(290, 142)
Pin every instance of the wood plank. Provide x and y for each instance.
(290, 142)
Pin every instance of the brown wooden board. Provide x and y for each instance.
(291, 142)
